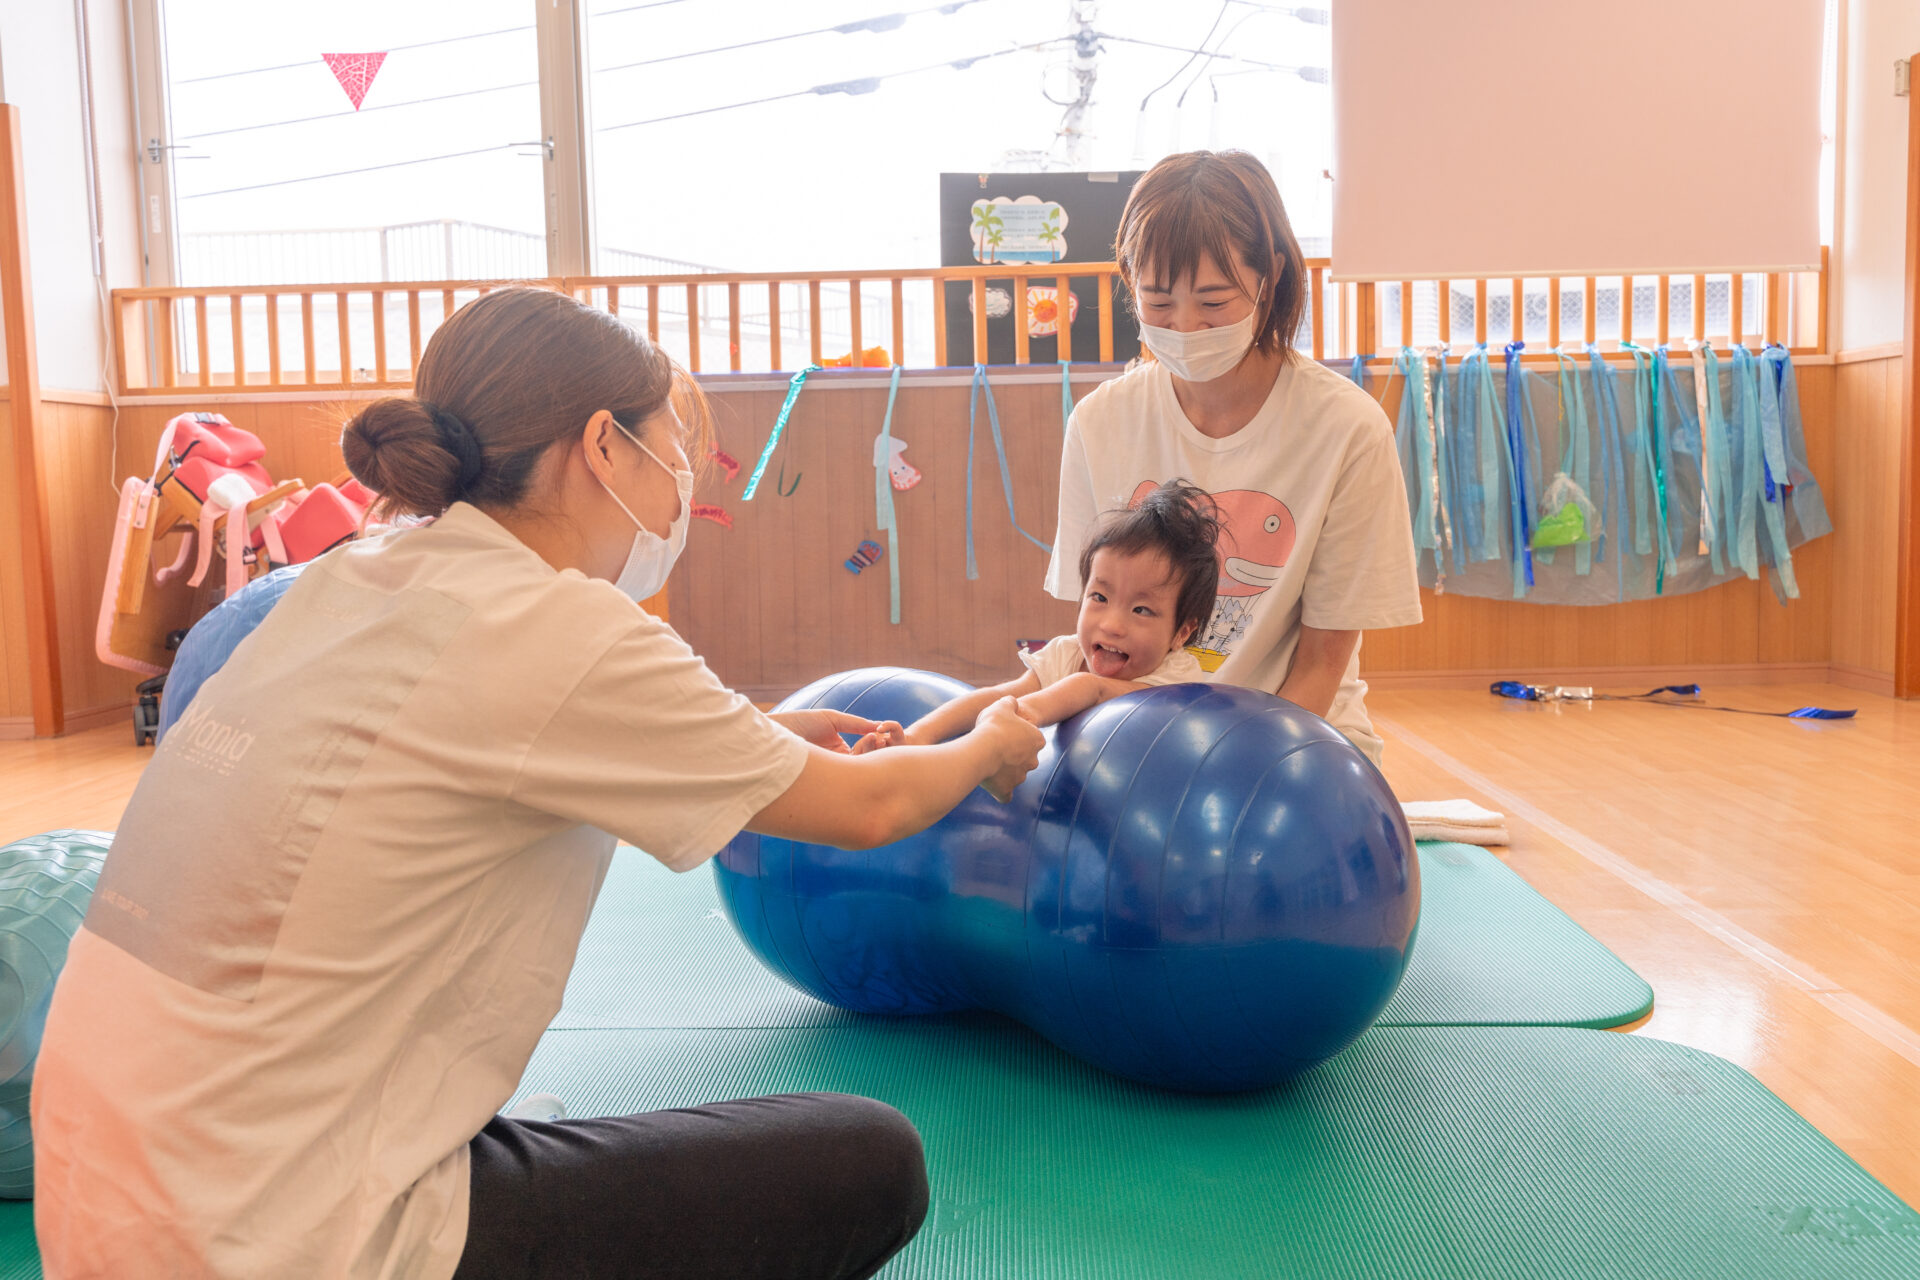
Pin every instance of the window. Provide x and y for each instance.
(359, 140)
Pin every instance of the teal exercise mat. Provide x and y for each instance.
(19, 1256)
(1430, 1152)
(1492, 952)
(658, 952)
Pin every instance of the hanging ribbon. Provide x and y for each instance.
(1489, 432)
(779, 427)
(1613, 462)
(1709, 461)
(1640, 446)
(1752, 463)
(1765, 412)
(1683, 433)
(1659, 458)
(1415, 439)
(1066, 394)
(980, 386)
(1809, 508)
(1357, 370)
(1442, 481)
(1520, 506)
(1726, 466)
(883, 501)
(1576, 447)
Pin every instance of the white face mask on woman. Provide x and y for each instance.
(1203, 354)
(651, 557)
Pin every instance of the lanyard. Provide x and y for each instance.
(779, 427)
(980, 387)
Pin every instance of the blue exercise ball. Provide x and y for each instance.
(1200, 887)
(46, 882)
(214, 638)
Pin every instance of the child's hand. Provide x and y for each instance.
(887, 733)
(823, 728)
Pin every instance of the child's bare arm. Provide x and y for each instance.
(954, 718)
(1069, 697)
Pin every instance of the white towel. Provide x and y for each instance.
(1461, 821)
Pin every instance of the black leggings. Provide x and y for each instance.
(794, 1186)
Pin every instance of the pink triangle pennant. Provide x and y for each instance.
(355, 72)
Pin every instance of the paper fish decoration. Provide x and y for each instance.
(719, 515)
(726, 462)
(867, 553)
(887, 450)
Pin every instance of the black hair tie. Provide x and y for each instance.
(458, 439)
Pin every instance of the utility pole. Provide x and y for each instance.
(1070, 148)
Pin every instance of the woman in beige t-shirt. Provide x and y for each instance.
(343, 903)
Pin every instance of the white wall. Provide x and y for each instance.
(1870, 251)
(40, 73)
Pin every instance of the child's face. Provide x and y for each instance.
(1127, 614)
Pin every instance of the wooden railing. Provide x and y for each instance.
(350, 337)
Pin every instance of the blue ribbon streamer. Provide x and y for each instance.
(980, 385)
(779, 427)
(883, 513)
(1520, 508)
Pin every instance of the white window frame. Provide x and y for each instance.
(560, 30)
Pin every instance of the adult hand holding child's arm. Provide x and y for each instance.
(859, 801)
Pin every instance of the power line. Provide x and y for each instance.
(1224, 5)
(1316, 74)
(384, 106)
(850, 87)
(399, 48)
(342, 173)
(884, 22)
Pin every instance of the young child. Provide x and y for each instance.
(1150, 573)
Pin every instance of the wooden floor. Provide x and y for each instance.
(1763, 875)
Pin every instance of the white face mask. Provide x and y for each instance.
(651, 557)
(1204, 354)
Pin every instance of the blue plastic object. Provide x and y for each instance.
(1200, 887)
(46, 882)
(214, 637)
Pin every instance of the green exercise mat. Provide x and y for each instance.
(19, 1256)
(1491, 952)
(1430, 1152)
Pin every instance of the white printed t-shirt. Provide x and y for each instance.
(1314, 508)
(343, 904)
(1061, 657)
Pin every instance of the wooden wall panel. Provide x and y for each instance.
(770, 602)
(16, 690)
(1864, 487)
(771, 605)
(82, 485)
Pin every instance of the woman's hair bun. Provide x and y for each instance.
(419, 459)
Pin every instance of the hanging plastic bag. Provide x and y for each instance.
(1568, 516)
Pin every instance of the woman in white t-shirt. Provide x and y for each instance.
(1316, 544)
(344, 900)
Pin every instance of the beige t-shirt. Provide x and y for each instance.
(343, 904)
(1061, 657)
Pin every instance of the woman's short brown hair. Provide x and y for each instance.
(505, 378)
(1221, 206)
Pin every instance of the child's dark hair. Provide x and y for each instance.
(1177, 520)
